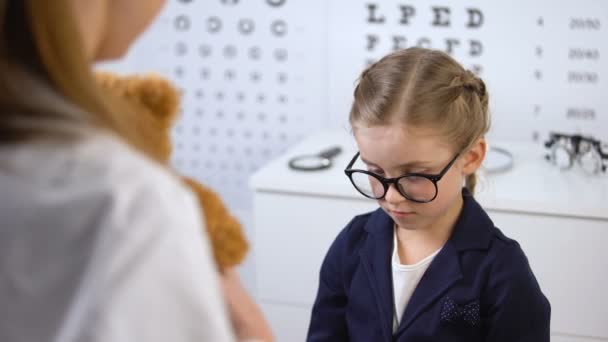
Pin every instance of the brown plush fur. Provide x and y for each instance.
(157, 98)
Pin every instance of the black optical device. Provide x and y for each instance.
(566, 149)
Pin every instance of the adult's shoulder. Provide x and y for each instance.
(95, 174)
(113, 160)
(138, 187)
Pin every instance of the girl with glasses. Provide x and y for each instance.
(429, 264)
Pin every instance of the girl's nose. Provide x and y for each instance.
(393, 196)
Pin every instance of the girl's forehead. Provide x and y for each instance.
(399, 134)
(399, 142)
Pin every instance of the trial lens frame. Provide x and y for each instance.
(575, 147)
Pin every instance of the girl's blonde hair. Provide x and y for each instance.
(47, 83)
(424, 88)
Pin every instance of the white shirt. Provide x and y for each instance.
(405, 280)
(97, 243)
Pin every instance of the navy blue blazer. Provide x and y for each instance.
(479, 287)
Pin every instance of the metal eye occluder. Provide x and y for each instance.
(565, 149)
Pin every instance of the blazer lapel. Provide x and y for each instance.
(443, 272)
(376, 260)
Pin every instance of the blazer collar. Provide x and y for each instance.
(473, 229)
(376, 260)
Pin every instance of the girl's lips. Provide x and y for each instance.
(401, 213)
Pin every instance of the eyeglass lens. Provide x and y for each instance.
(412, 187)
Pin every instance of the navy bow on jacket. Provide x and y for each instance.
(451, 312)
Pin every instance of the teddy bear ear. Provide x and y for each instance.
(158, 95)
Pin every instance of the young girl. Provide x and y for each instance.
(98, 241)
(429, 265)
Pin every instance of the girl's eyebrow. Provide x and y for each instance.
(415, 163)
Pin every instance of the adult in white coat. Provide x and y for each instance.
(98, 242)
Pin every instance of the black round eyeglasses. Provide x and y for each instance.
(416, 187)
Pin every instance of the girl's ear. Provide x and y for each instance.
(474, 156)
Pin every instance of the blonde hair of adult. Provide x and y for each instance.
(424, 88)
(46, 80)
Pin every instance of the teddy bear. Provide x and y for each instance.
(155, 97)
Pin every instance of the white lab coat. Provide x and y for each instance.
(98, 243)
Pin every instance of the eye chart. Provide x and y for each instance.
(258, 75)
(253, 82)
(544, 62)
